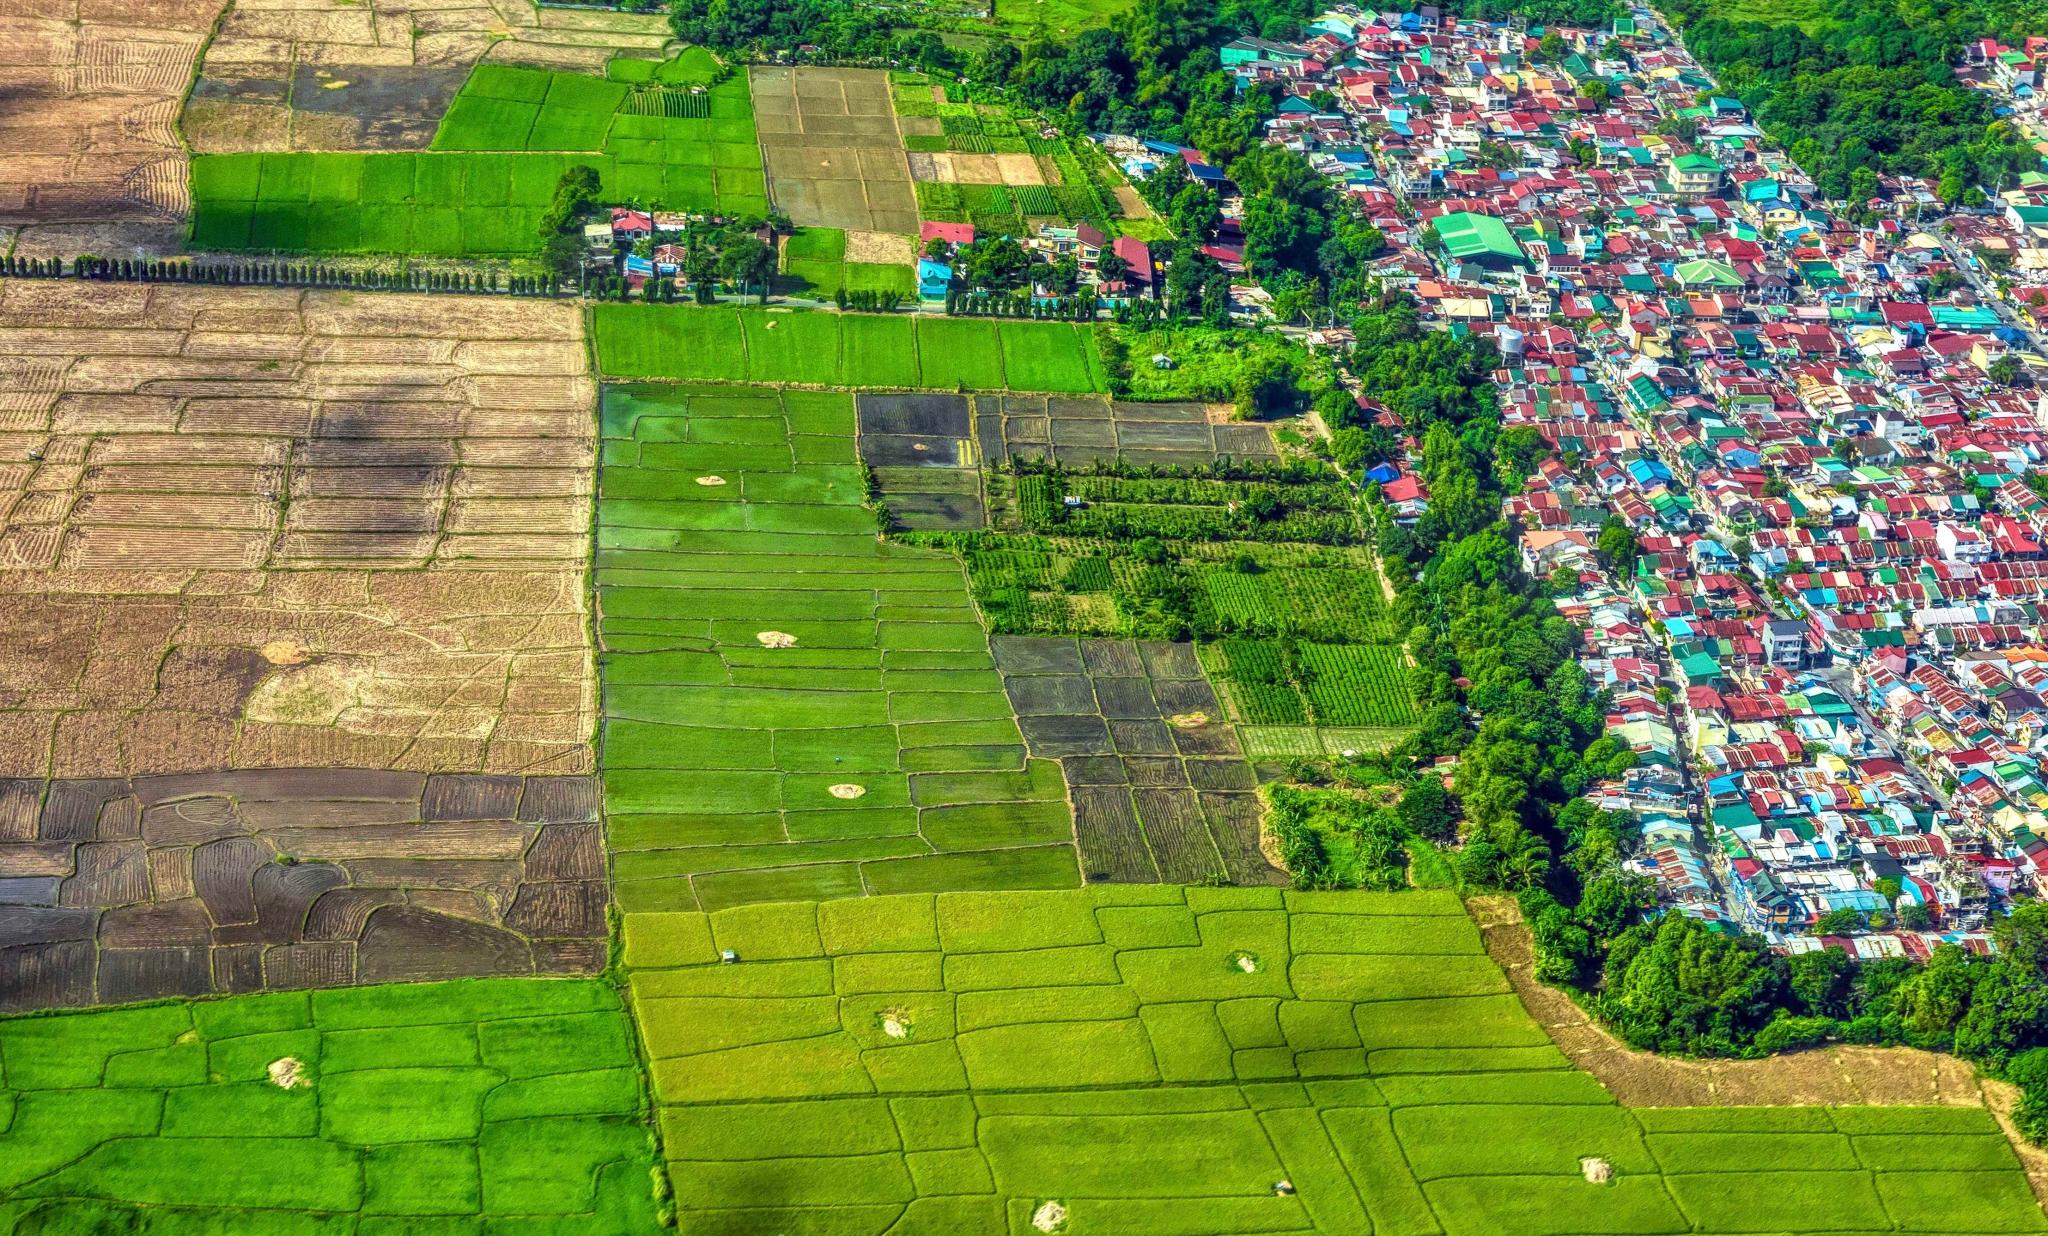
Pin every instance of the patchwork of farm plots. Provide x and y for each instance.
(378, 74)
(129, 889)
(1159, 783)
(791, 707)
(927, 451)
(490, 1105)
(1161, 1059)
(815, 263)
(294, 681)
(249, 528)
(1265, 557)
(484, 188)
(694, 344)
(834, 156)
(1001, 168)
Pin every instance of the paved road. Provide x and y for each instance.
(1987, 292)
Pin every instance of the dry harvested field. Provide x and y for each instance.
(1079, 431)
(89, 93)
(956, 168)
(832, 150)
(243, 528)
(351, 75)
(294, 684)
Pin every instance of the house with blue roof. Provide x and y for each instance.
(934, 279)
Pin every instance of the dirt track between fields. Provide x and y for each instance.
(1836, 1076)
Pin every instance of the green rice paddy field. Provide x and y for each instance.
(792, 707)
(1160, 1060)
(484, 187)
(697, 344)
(503, 1106)
(1127, 1060)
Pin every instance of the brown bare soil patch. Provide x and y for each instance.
(183, 885)
(880, 248)
(352, 535)
(1133, 206)
(832, 150)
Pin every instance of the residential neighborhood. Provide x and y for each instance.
(1824, 647)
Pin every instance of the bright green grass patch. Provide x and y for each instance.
(960, 352)
(826, 244)
(456, 1104)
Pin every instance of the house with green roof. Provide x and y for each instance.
(1695, 175)
(1473, 239)
(1707, 273)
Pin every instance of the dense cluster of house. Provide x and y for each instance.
(1828, 655)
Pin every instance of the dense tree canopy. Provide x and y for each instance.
(1869, 88)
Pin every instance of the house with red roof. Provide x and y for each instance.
(955, 234)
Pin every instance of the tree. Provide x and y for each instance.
(1822, 981)
(1595, 89)
(1196, 212)
(1110, 267)
(995, 264)
(700, 267)
(1677, 985)
(1426, 808)
(1266, 386)
(745, 260)
(1846, 921)
(1617, 545)
(1349, 446)
(563, 253)
(1063, 277)
(2005, 370)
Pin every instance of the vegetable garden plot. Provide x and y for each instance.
(507, 1104)
(1342, 686)
(1159, 1059)
(761, 721)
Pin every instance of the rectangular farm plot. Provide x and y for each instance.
(792, 708)
(923, 456)
(1079, 432)
(833, 155)
(859, 350)
(448, 1106)
(1157, 1059)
